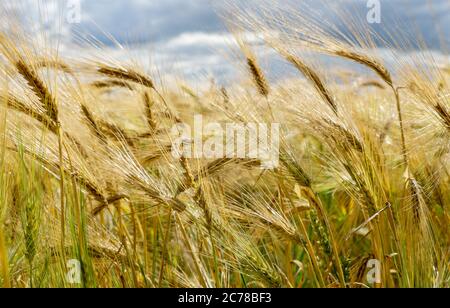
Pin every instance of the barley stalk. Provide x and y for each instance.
(314, 78)
(148, 112)
(49, 103)
(258, 77)
(39, 88)
(386, 76)
(126, 74)
(106, 84)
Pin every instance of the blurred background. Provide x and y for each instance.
(187, 37)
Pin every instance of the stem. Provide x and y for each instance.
(164, 252)
(4, 261)
(31, 273)
(192, 252)
(310, 194)
(402, 129)
(312, 256)
(62, 197)
(201, 202)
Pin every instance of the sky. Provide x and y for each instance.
(188, 35)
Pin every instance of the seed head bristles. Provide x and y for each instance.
(116, 198)
(372, 83)
(115, 132)
(77, 144)
(113, 83)
(416, 194)
(443, 113)
(365, 192)
(126, 166)
(427, 95)
(258, 77)
(207, 171)
(186, 89)
(149, 158)
(368, 62)
(91, 188)
(98, 194)
(315, 79)
(382, 72)
(294, 169)
(53, 64)
(226, 97)
(92, 122)
(348, 136)
(104, 202)
(148, 104)
(156, 195)
(102, 128)
(19, 106)
(39, 88)
(214, 167)
(150, 134)
(168, 114)
(126, 74)
(96, 252)
(200, 198)
(189, 178)
(138, 78)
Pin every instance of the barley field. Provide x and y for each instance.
(91, 195)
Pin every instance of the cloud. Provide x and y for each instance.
(187, 36)
(142, 21)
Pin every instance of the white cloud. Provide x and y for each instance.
(198, 38)
(187, 35)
